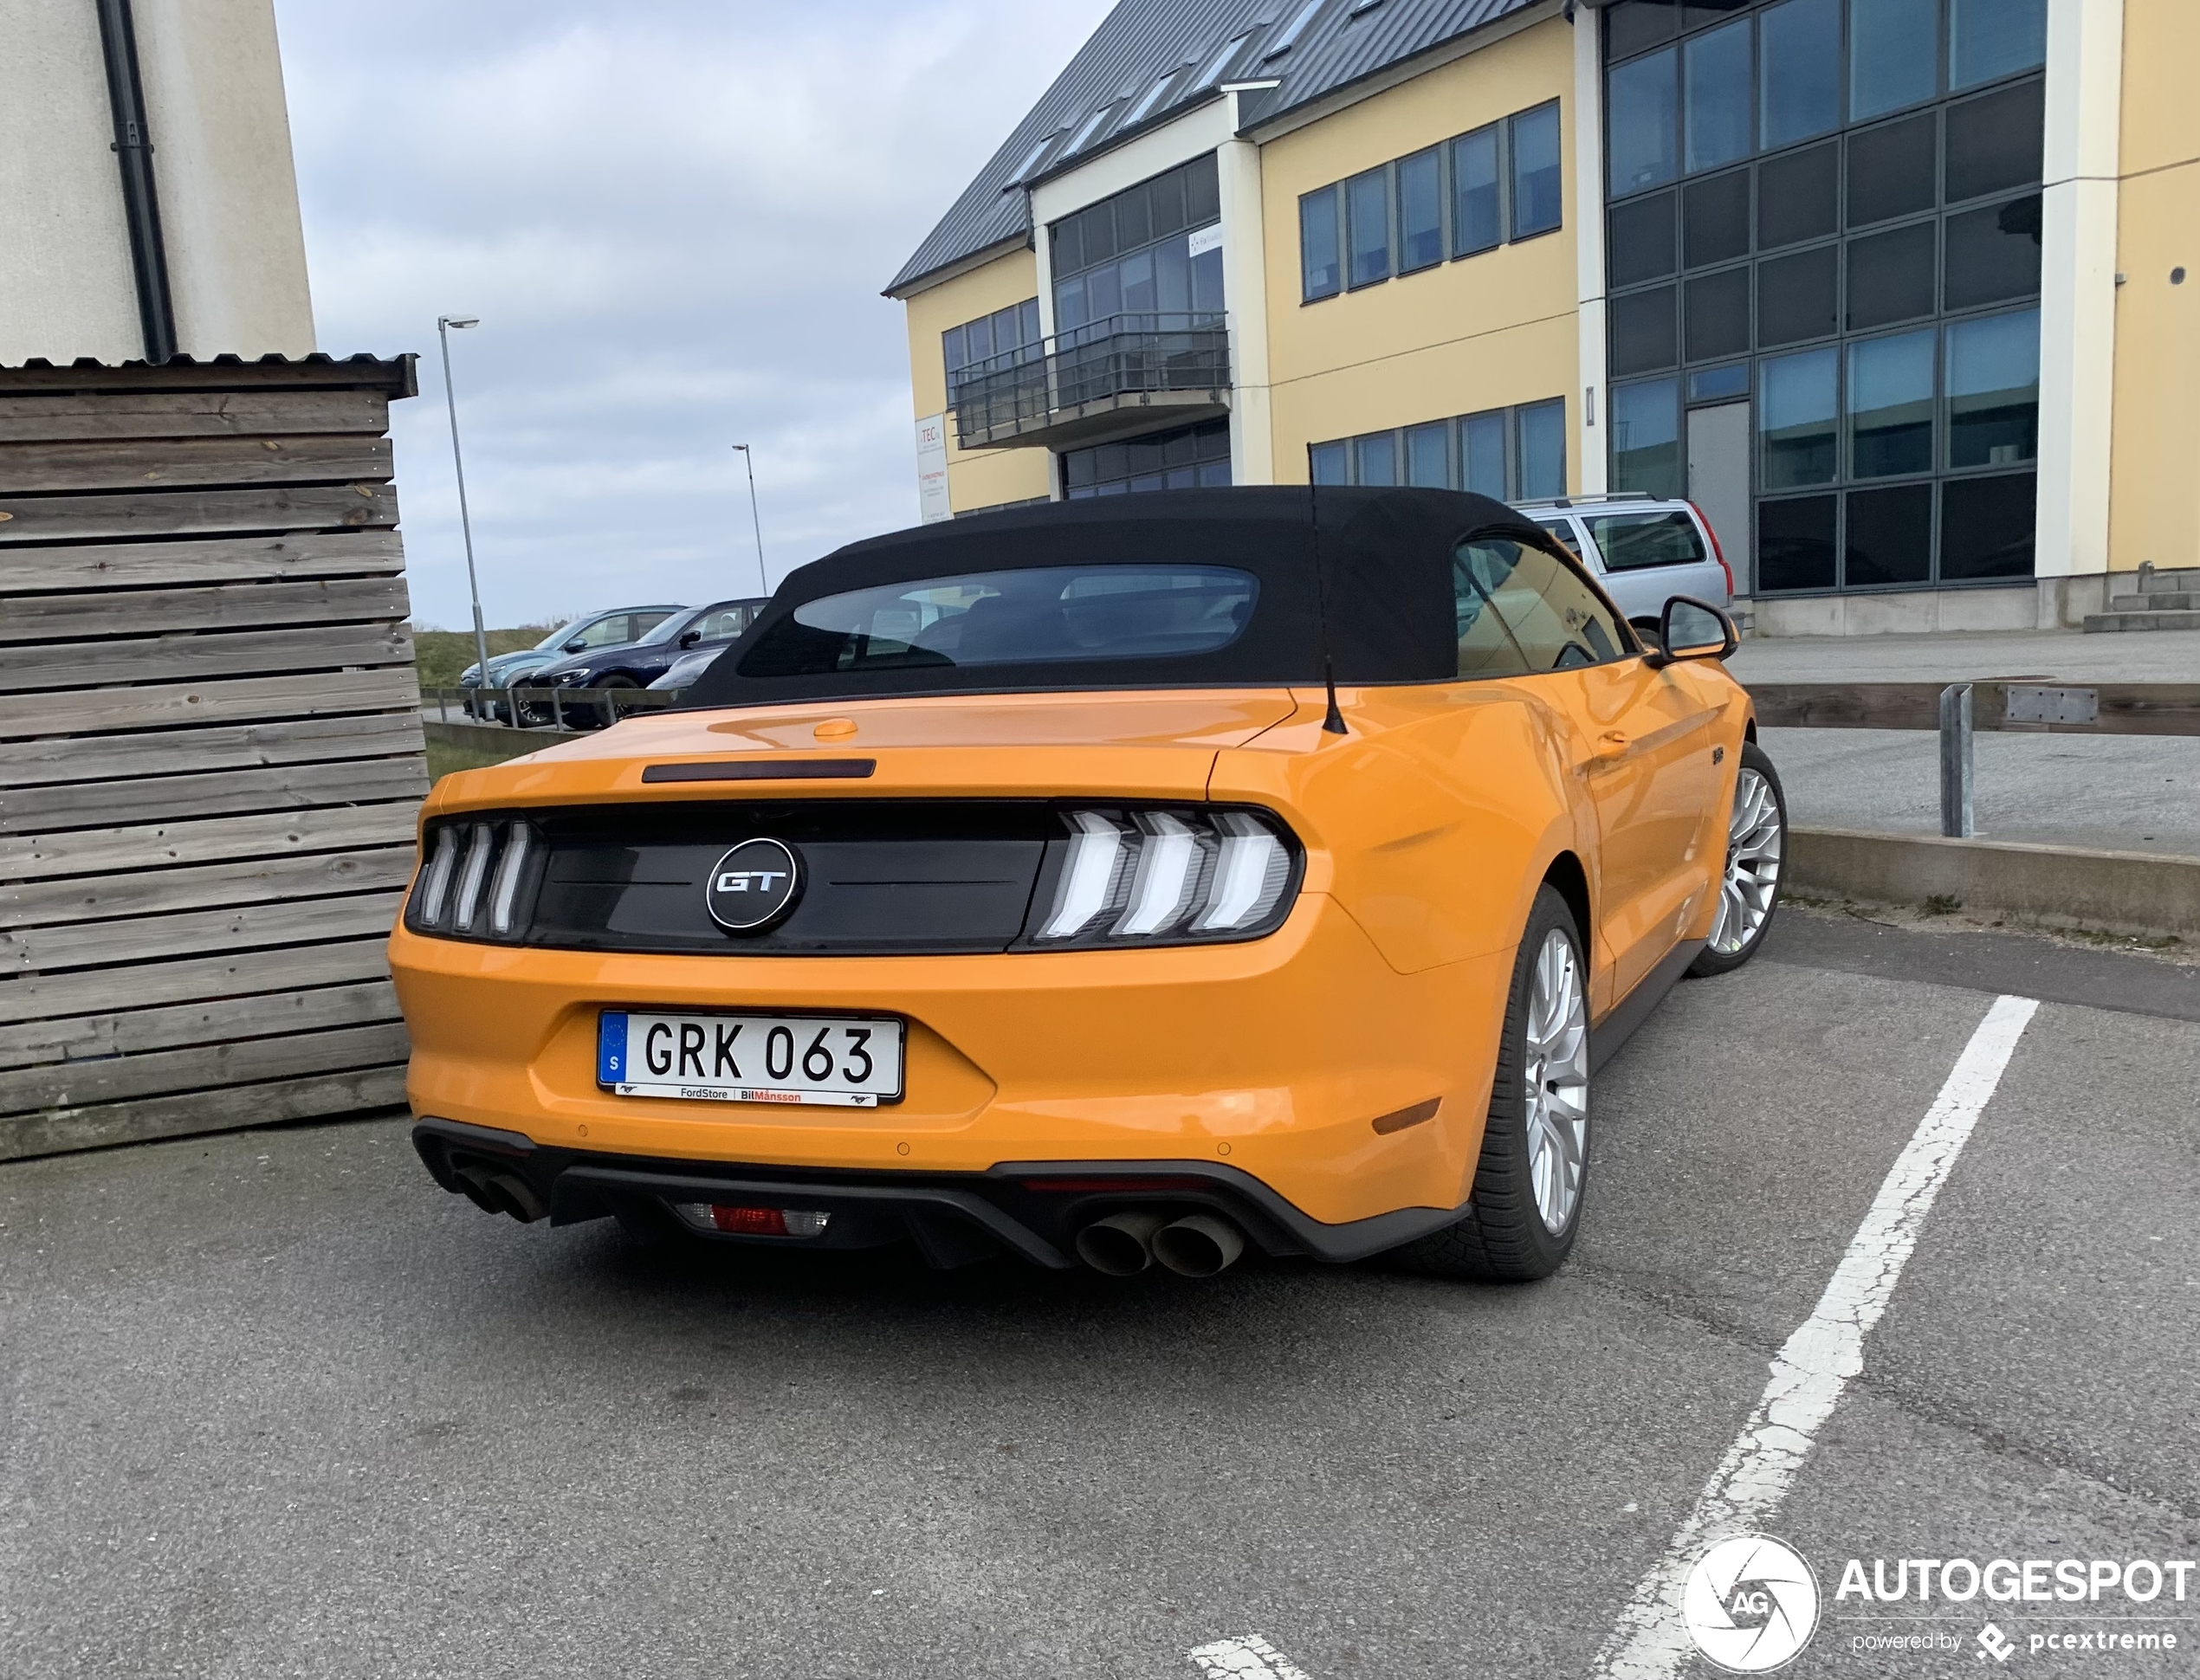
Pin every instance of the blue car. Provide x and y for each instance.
(596, 630)
(639, 663)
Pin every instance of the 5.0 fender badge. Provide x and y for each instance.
(754, 886)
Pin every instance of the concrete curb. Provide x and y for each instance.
(2119, 892)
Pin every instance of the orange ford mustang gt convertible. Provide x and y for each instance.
(1117, 881)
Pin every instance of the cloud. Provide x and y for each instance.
(673, 219)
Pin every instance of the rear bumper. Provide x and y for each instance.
(1030, 1209)
(1260, 1063)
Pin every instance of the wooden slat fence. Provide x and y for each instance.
(211, 751)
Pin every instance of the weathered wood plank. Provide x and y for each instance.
(166, 845)
(233, 1109)
(81, 900)
(288, 788)
(133, 515)
(193, 933)
(172, 463)
(154, 706)
(365, 956)
(221, 653)
(134, 1032)
(220, 606)
(190, 414)
(394, 376)
(193, 562)
(76, 1084)
(170, 751)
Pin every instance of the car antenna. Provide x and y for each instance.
(1333, 723)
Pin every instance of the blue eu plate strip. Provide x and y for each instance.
(610, 1048)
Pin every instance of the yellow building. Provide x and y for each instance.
(1896, 290)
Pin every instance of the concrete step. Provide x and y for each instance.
(2160, 601)
(2098, 622)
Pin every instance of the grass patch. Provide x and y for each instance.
(441, 655)
(1940, 904)
(442, 759)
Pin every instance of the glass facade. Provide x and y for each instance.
(1514, 455)
(1131, 255)
(1831, 208)
(1190, 457)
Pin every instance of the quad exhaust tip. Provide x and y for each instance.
(1124, 1244)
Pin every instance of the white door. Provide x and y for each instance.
(1719, 481)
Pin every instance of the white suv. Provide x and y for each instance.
(1644, 550)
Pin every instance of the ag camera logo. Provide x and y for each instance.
(754, 886)
(1750, 1604)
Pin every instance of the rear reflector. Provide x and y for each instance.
(740, 1221)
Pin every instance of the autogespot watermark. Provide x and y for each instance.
(1751, 1604)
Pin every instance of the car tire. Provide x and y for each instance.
(1750, 878)
(1534, 1154)
(606, 710)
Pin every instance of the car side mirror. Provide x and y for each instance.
(690, 638)
(577, 646)
(1690, 629)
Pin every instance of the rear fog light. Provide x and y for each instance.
(753, 1221)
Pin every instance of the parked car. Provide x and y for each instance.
(687, 667)
(595, 630)
(638, 663)
(1042, 837)
(1644, 550)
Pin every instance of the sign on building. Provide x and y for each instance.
(932, 469)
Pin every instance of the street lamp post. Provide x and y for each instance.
(763, 577)
(444, 323)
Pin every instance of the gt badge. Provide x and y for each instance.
(754, 886)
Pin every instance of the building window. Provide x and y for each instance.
(1367, 223)
(1831, 210)
(1131, 254)
(1190, 457)
(1532, 139)
(1321, 272)
(1513, 455)
(1505, 181)
(1011, 334)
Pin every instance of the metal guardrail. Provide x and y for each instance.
(1123, 355)
(1958, 711)
(552, 711)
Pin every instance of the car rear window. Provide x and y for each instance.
(1630, 542)
(1563, 530)
(1035, 614)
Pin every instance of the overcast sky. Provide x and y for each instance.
(673, 218)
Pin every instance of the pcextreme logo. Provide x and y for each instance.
(1750, 1604)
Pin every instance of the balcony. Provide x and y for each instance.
(1104, 379)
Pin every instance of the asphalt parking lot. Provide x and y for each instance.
(276, 1405)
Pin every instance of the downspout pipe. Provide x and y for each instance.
(141, 200)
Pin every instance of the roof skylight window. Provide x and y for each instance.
(1225, 55)
(1092, 126)
(1150, 98)
(1291, 31)
(1031, 161)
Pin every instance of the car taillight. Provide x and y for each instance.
(740, 1221)
(1719, 552)
(1159, 876)
(474, 879)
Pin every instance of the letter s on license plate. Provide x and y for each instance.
(836, 1060)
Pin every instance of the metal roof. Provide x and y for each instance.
(1344, 42)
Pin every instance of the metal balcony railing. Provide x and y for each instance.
(1068, 383)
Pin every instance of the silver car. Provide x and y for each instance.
(1645, 550)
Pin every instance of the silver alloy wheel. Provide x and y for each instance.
(1556, 1081)
(1755, 839)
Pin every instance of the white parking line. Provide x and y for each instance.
(1648, 1642)
(1249, 1658)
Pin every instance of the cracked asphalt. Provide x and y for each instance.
(276, 1405)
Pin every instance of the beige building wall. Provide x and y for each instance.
(1478, 332)
(2154, 476)
(220, 128)
(976, 478)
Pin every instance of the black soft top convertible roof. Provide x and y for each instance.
(1385, 561)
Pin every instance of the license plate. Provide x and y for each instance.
(838, 1061)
